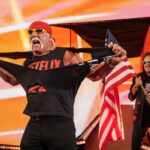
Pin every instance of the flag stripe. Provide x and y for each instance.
(123, 73)
(106, 126)
(111, 126)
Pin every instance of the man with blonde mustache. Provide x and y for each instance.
(51, 125)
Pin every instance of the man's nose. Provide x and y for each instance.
(34, 33)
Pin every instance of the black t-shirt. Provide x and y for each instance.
(52, 98)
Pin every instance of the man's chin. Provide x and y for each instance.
(36, 47)
(37, 53)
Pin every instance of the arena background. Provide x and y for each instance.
(15, 17)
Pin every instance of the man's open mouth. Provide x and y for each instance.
(35, 41)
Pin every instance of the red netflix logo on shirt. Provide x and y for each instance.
(45, 64)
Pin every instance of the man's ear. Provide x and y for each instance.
(51, 38)
(52, 42)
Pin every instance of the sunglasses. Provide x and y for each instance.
(146, 62)
(38, 30)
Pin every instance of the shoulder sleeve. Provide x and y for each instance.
(26, 62)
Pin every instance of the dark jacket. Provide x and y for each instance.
(142, 108)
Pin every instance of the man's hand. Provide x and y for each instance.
(138, 81)
(120, 53)
(105, 67)
(117, 49)
(6, 76)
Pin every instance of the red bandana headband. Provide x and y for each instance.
(41, 24)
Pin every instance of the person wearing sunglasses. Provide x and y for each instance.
(51, 125)
(140, 91)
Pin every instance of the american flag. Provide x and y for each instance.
(111, 125)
